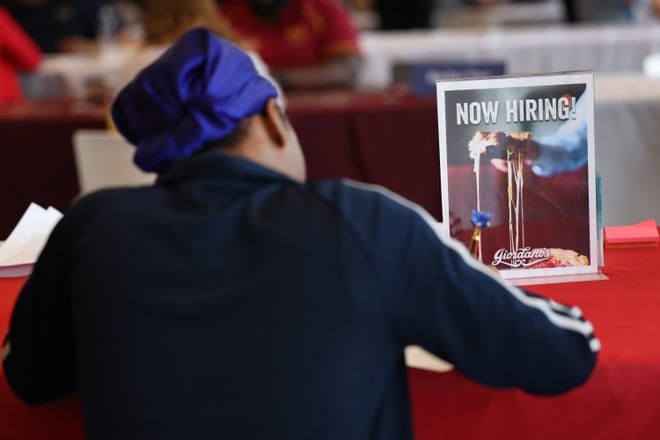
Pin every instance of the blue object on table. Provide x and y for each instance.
(421, 77)
(481, 218)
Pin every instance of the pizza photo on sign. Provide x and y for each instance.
(519, 152)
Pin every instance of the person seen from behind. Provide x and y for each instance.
(236, 299)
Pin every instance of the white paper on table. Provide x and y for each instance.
(23, 246)
(417, 357)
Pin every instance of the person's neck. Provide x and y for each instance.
(263, 155)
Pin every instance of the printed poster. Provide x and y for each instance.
(520, 150)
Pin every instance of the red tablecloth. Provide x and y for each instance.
(620, 401)
(59, 420)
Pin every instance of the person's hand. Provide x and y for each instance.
(495, 145)
(484, 140)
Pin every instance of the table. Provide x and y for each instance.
(533, 49)
(618, 402)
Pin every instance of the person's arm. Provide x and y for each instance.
(17, 45)
(440, 298)
(339, 71)
(38, 354)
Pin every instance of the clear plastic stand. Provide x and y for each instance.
(556, 279)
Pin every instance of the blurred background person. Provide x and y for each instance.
(59, 25)
(17, 53)
(307, 44)
(164, 21)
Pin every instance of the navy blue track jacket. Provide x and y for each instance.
(230, 302)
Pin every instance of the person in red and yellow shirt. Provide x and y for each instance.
(17, 52)
(306, 43)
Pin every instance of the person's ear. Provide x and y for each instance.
(275, 124)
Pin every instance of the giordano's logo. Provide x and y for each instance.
(523, 257)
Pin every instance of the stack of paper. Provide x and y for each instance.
(23, 246)
(644, 234)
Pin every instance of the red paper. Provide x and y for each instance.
(644, 232)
